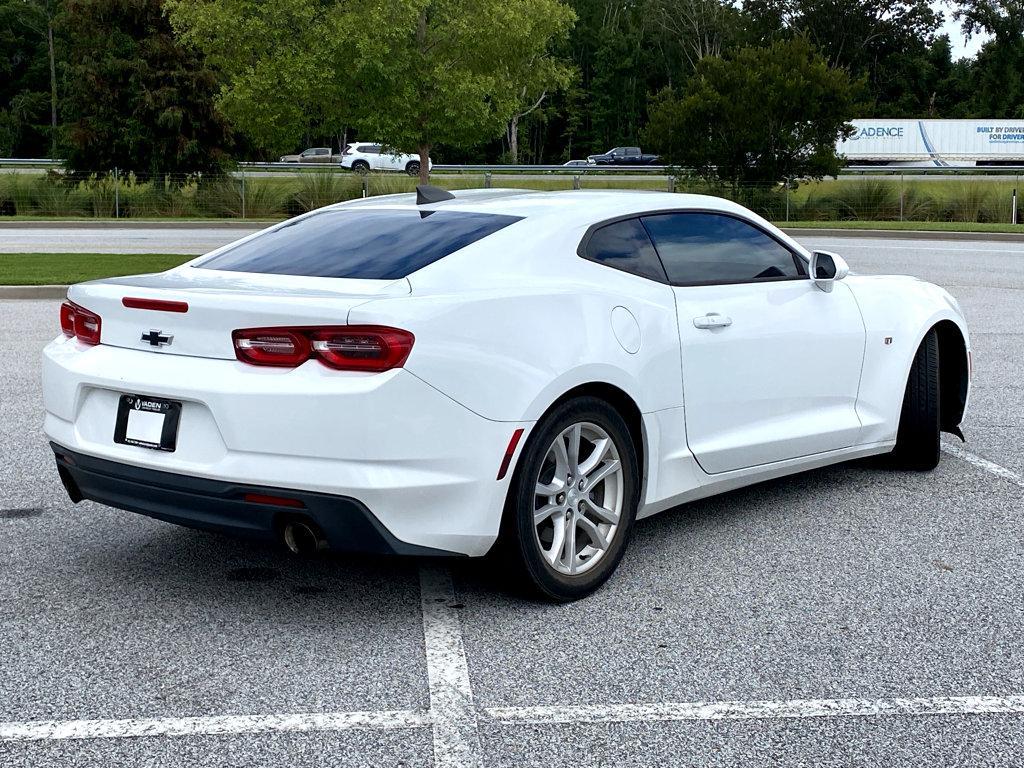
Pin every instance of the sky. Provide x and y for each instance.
(956, 35)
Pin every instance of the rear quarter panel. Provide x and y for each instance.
(508, 325)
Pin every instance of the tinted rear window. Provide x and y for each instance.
(370, 244)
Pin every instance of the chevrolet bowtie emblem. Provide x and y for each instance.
(156, 339)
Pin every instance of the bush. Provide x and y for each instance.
(322, 188)
(867, 199)
(971, 202)
(54, 195)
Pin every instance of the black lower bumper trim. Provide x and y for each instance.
(203, 503)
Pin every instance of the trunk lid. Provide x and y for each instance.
(218, 303)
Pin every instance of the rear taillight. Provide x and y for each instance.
(363, 348)
(79, 322)
(271, 347)
(346, 348)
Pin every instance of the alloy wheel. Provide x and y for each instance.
(578, 498)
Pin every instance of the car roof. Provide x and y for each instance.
(570, 207)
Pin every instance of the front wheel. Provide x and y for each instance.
(917, 442)
(413, 168)
(573, 500)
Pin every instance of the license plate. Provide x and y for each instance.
(148, 422)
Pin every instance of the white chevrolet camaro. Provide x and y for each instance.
(527, 371)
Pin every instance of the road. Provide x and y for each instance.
(112, 240)
(847, 616)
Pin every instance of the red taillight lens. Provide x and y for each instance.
(363, 348)
(271, 346)
(346, 348)
(79, 322)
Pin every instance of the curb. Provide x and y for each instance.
(804, 232)
(33, 292)
(123, 224)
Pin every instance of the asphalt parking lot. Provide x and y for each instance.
(843, 616)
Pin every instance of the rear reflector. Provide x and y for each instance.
(163, 305)
(506, 460)
(346, 348)
(79, 322)
(67, 319)
(266, 499)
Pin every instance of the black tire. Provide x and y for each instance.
(520, 541)
(917, 442)
(361, 167)
(413, 168)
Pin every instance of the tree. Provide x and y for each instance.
(409, 73)
(610, 46)
(456, 74)
(998, 79)
(540, 76)
(288, 65)
(759, 115)
(886, 40)
(699, 28)
(28, 78)
(141, 102)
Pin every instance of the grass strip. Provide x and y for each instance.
(61, 269)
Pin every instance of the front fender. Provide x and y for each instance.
(898, 311)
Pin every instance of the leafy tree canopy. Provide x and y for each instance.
(24, 79)
(758, 115)
(409, 73)
(999, 69)
(137, 99)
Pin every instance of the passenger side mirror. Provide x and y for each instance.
(827, 268)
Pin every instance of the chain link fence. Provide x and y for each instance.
(252, 195)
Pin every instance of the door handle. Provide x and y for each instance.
(712, 320)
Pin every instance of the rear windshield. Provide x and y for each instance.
(366, 243)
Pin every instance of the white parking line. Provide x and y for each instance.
(991, 467)
(454, 716)
(717, 711)
(179, 727)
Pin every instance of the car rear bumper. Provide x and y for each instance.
(423, 464)
(225, 506)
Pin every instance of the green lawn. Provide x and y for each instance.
(919, 226)
(61, 269)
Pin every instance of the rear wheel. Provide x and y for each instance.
(361, 167)
(573, 500)
(413, 168)
(917, 442)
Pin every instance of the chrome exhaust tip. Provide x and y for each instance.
(303, 538)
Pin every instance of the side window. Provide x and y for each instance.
(711, 248)
(625, 246)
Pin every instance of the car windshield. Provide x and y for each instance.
(367, 243)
